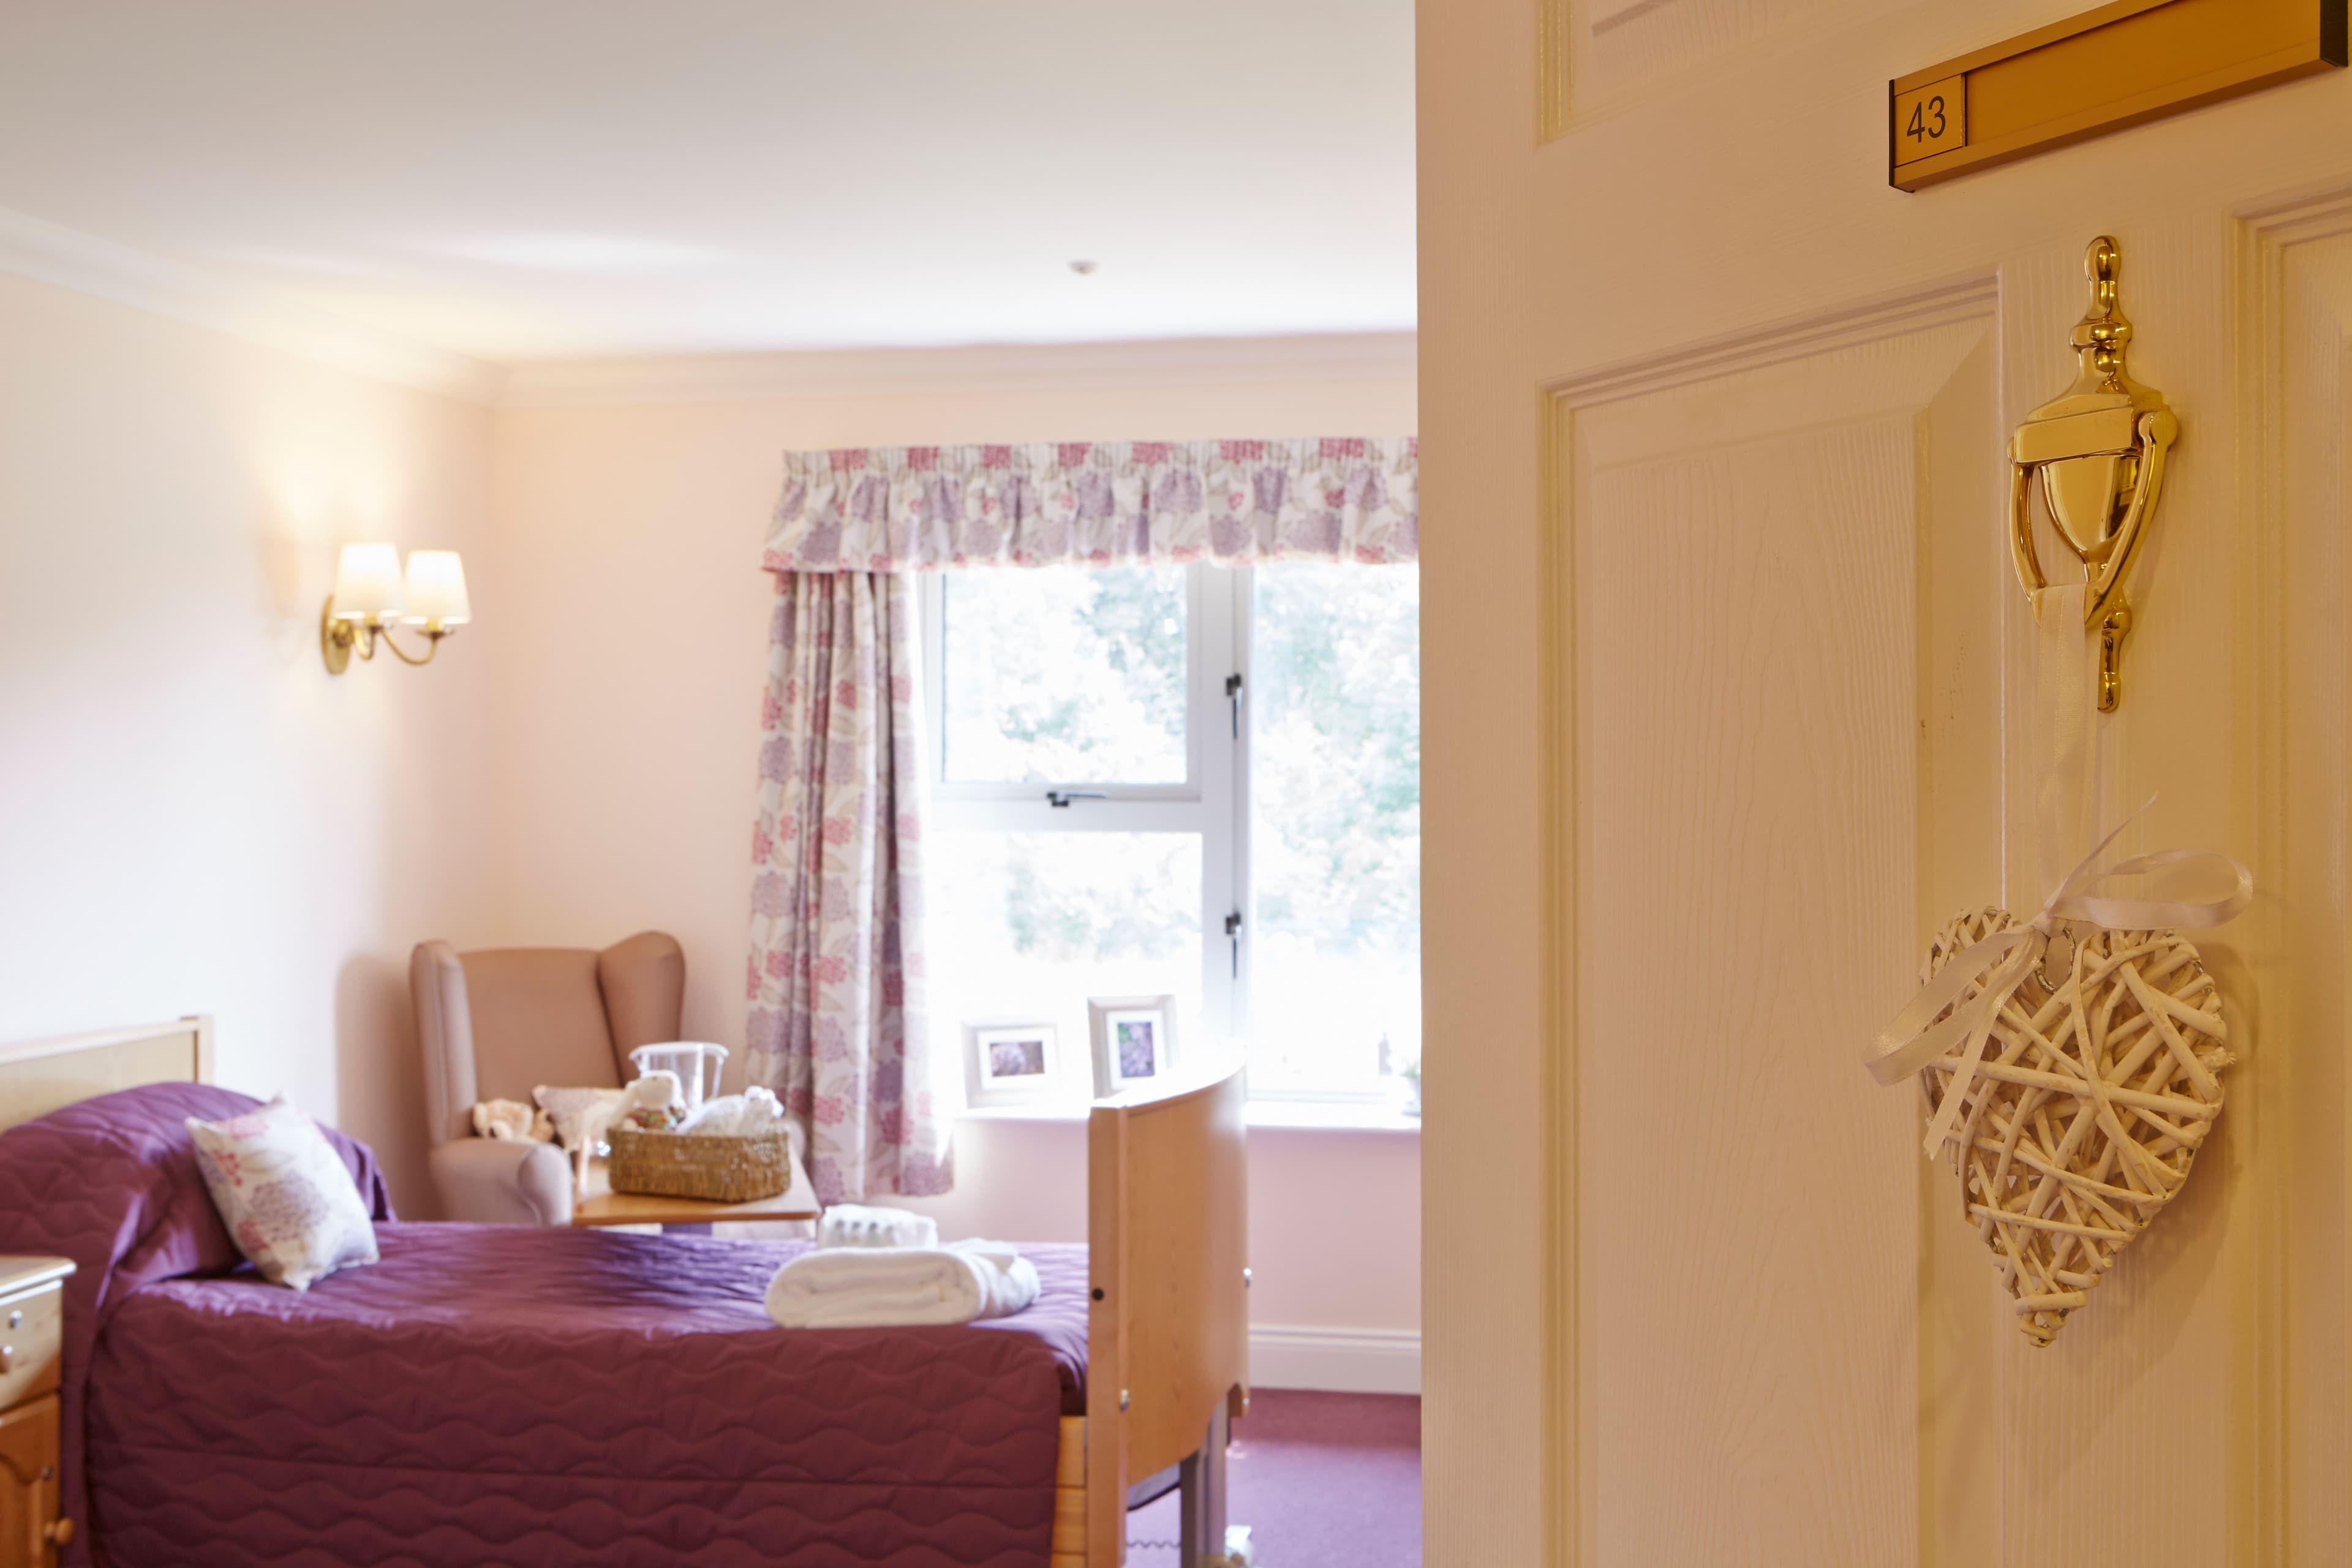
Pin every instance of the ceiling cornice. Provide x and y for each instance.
(67, 259)
(996, 367)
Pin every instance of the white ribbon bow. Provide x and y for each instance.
(1914, 1039)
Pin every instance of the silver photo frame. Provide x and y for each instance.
(1134, 1040)
(1009, 1062)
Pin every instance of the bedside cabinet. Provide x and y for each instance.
(32, 1323)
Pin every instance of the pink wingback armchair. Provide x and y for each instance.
(496, 1023)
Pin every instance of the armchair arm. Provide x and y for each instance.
(497, 1181)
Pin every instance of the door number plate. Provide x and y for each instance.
(1931, 120)
(2127, 62)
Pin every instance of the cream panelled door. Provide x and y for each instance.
(1728, 700)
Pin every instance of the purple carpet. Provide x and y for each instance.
(1323, 1480)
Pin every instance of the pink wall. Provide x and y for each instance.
(630, 626)
(193, 815)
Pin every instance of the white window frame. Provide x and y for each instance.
(1213, 800)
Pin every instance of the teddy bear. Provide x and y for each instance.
(511, 1120)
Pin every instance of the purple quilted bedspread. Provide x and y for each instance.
(490, 1395)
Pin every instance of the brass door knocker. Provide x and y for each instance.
(2100, 448)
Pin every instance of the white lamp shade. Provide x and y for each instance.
(436, 589)
(367, 583)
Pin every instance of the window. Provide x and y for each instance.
(1333, 823)
(1236, 760)
(1063, 675)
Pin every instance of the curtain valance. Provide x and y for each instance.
(1097, 504)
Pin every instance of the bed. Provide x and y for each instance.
(517, 1396)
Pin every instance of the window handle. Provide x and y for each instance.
(1059, 799)
(1233, 696)
(1234, 935)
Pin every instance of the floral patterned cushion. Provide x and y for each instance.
(284, 1194)
(568, 1109)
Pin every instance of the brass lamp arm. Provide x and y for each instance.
(433, 637)
(340, 640)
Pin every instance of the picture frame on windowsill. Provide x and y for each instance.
(1011, 1063)
(1134, 1040)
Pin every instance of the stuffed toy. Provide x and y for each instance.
(749, 1114)
(654, 1102)
(568, 1109)
(513, 1121)
(655, 1096)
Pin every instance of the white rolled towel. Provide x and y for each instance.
(864, 1225)
(890, 1287)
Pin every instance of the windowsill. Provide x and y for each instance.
(1040, 1110)
(1283, 1115)
(1331, 1116)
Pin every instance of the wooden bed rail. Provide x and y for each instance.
(1168, 1327)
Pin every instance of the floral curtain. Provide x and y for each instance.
(836, 983)
(1099, 503)
(837, 971)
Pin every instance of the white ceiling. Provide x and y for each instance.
(520, 179)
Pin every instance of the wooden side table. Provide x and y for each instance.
(601, 1206)
(32, 1337)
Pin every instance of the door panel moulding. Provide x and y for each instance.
(1925, 334)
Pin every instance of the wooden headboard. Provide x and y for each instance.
(39, 1075)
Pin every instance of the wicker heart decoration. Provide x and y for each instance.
(2079, 1121)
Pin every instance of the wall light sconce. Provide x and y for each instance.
(369, 600)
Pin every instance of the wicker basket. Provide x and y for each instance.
(684, 1165)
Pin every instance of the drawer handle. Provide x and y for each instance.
(58, 1533)
(8, 1359)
